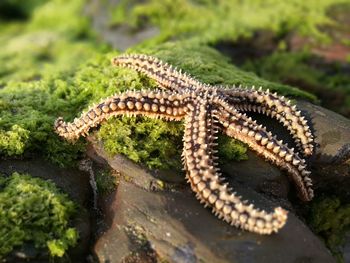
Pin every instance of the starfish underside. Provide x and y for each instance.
(205, 110)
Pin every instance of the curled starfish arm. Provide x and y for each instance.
(243, 128)
(272, 105)
(154, 104)
(204, 177)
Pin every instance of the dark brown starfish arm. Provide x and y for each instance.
(270, 104)
(199, 142)
(154, 104)
(164, 74)
(239, 126)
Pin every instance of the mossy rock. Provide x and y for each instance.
(33, 104)
(54, 67)
(34, 210)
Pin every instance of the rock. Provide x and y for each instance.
(146, 224)
(346, 248)
(259, 175)
(73, 182)
(150, 220)
(331, 161)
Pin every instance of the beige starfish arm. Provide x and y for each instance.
(198, 156)
(154, 104)
(164, 74)
(272, 105)
(239, 126)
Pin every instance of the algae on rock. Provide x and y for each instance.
(34, 210)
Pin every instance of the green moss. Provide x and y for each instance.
(230, 149)
(153, 142)
(208, 21)
(107, 181)
(12, 142)
(38, 61)
(34, 210)
(32, 97)
(209, 66)
(331, 219)
(62, 16)
(51, 69)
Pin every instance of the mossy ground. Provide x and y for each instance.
(52, 64)
(34, 210)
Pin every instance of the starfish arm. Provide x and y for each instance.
(198, 155)
(239, 126)
(272, 105)
(153, 104)
(165, 75)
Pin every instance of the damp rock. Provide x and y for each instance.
(331, 161)
(144, 223)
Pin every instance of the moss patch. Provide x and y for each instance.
(331, 220)
(38, 60)
(34, 210)
(52, 66)
(59, 76)
(107, 181)
(208, 21)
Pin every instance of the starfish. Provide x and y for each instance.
(206, 109)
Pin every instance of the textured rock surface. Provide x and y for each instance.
(73, 182)
(331, 162)
(152, 220)
(147, 220)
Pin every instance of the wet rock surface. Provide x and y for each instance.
(147, 223)
(150, 217)
(73, 182)
(331, 161)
